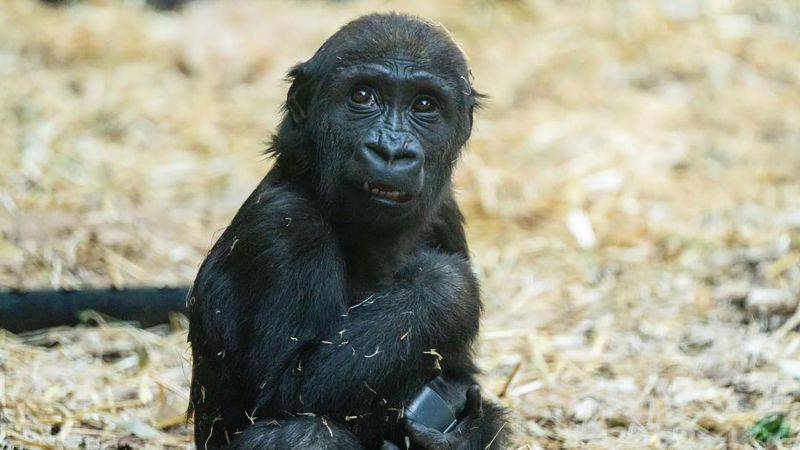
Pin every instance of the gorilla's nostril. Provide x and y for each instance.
(405, 154)
(384, 152)
(390, 153)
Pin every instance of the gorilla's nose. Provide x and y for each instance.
(392, 152)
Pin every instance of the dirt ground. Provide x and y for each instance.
(632, 191)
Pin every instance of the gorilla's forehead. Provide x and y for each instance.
(393, 69)
(398, 71)
(392, 47)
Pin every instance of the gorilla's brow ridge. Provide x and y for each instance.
(406, 69)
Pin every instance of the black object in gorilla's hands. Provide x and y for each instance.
(430, 409)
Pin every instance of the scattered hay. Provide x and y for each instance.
(631, 189)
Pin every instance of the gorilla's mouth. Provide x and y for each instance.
(385, 191)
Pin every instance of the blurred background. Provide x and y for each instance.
(632, 192)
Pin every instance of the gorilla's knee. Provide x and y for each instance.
(298, 433)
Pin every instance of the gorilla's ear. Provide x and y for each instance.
(476, 101)
(299, 96)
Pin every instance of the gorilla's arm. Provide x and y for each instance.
(386, 345)
(272, 277)
(447, 229)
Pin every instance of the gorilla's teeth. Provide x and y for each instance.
(394, 195)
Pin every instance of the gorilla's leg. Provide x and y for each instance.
(297, 433)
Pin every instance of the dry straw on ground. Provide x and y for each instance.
(632, 191)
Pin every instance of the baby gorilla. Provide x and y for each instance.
(344, 280)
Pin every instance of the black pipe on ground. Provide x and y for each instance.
(31, 310)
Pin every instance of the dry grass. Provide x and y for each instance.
(632, 190)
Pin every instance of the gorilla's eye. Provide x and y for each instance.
(424, 104)
(361, 96)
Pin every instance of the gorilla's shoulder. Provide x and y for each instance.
(276, 200)
(280, 211)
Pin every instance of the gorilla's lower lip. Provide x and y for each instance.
(385, 191)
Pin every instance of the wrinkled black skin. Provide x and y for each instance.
(287, 352)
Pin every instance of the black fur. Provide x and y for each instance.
(322, 309)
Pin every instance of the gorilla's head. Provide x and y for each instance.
(376, 119)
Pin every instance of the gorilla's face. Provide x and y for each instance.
(377, 117)
(392, 132)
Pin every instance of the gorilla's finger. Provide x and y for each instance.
(425, 437)
(473, 407)
(389, 446)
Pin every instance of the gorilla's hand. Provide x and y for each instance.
(465, 436)
(429, 263)
(432, 272)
